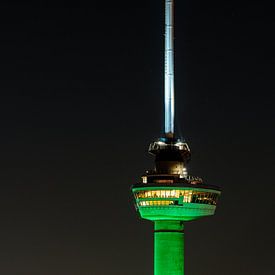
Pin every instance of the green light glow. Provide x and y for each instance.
(169, 248)
(180, 204)
(168, 207)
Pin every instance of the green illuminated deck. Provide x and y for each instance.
(157, 203)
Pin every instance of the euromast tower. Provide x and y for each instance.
(167, 195)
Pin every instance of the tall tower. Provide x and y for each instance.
(167, 195)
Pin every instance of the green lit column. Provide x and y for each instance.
(169, 248)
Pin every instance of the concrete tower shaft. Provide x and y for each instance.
(168, 247)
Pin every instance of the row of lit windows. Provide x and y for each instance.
(176, 202)
(188, 196)
(149, 203)
(206, 198)
(172, 194)
(162, 193)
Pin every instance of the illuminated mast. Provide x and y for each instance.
(169, 91)
(167, 195)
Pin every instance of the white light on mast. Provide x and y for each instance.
(169, 100)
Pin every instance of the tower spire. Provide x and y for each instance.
(169, 101)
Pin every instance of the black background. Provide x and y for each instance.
(81, 88)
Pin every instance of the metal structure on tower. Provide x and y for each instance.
(168, 195)
(169, 86)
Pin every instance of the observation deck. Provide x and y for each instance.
(168, 192)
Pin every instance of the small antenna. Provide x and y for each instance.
(169, 101)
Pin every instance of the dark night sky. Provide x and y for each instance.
(81, 98)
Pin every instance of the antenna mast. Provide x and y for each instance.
(169, 101)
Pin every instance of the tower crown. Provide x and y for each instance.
(171, 156)
(170, 145)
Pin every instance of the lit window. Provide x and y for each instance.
(173, 193)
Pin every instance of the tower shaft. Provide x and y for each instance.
(169, 248)
(169, 101)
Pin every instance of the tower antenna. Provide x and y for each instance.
(169, 98)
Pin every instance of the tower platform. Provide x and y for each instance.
(182, 201)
